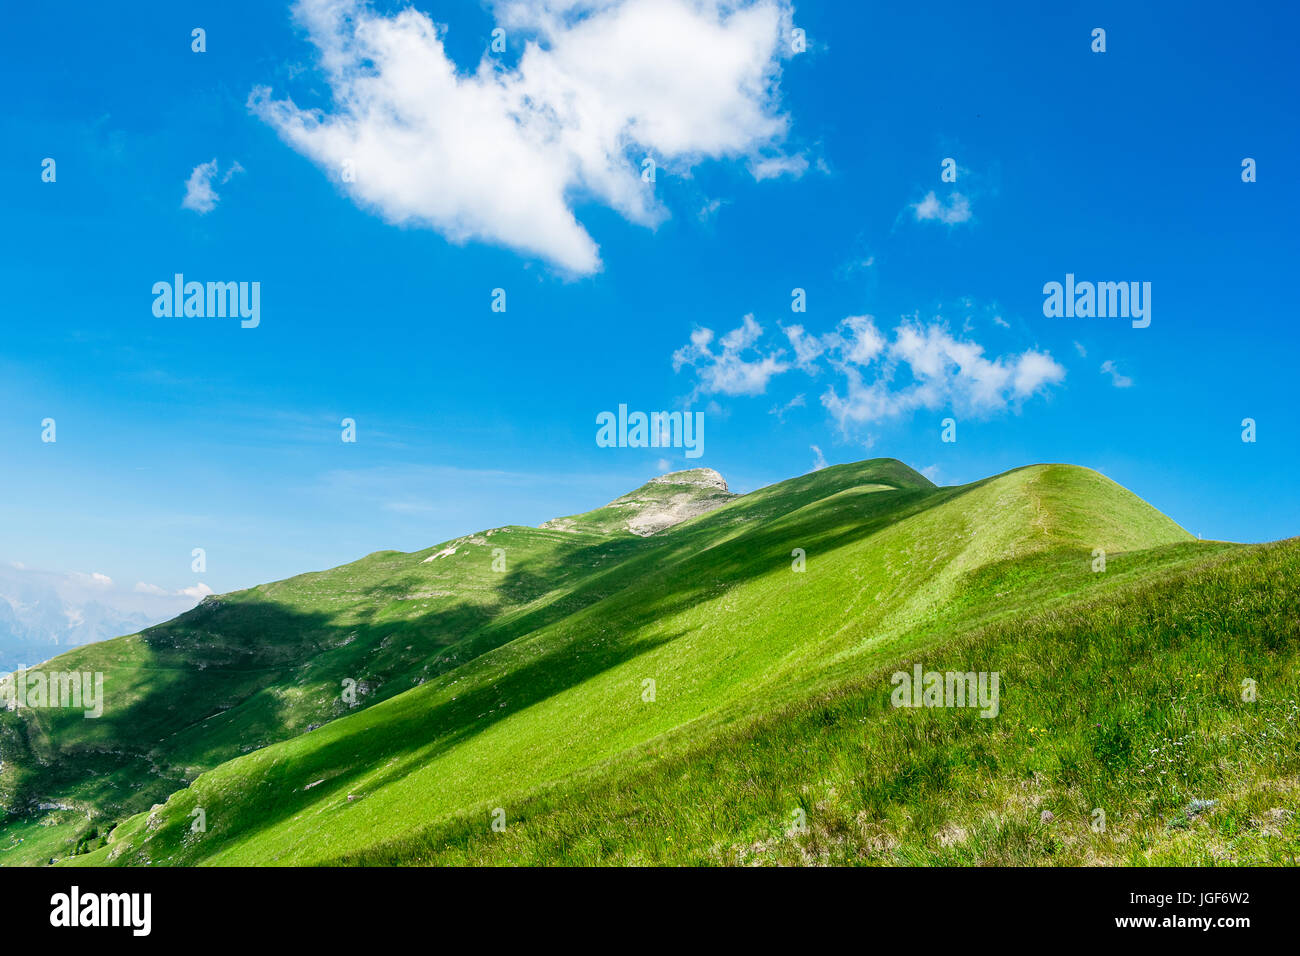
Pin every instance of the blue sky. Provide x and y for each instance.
(775, 170)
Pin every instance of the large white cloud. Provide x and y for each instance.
(501, 154)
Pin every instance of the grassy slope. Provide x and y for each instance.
(266, 664)
(713, 613)
(1131, 705)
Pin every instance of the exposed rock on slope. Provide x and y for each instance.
(658, 504)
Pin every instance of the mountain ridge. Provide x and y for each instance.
(896, 550)
(658, 504)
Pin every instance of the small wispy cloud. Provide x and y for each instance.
(710, 209)
(93, 579)
(780, 410)
(860, 261)
(807, 348)
(1117, 379)
(197, 591)
(957, 209)
(736, 367)
(199, 194)
(774, 167)
(819, 462)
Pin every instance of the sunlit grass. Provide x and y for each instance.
(525, 689)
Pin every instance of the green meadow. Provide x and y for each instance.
(715, 692)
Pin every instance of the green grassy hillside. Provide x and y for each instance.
(538, 670)
(542, 679)
(1131, 705)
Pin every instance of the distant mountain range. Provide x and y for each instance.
(37, 623)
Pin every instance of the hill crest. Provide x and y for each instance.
(657, 505)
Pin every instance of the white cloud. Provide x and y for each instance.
(729, 371)
(854, 265)
(774, 167)
(710, 209)
(857, 339)
(942, 371)
(1083, 352)
(501, 154)
(1116, 378)
(1034, 371)
(93, 579)
(931, 207)
(197, 591)
(807, 348)
(199, 194)
(779, 410)
(819, 462)
(920, 367)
